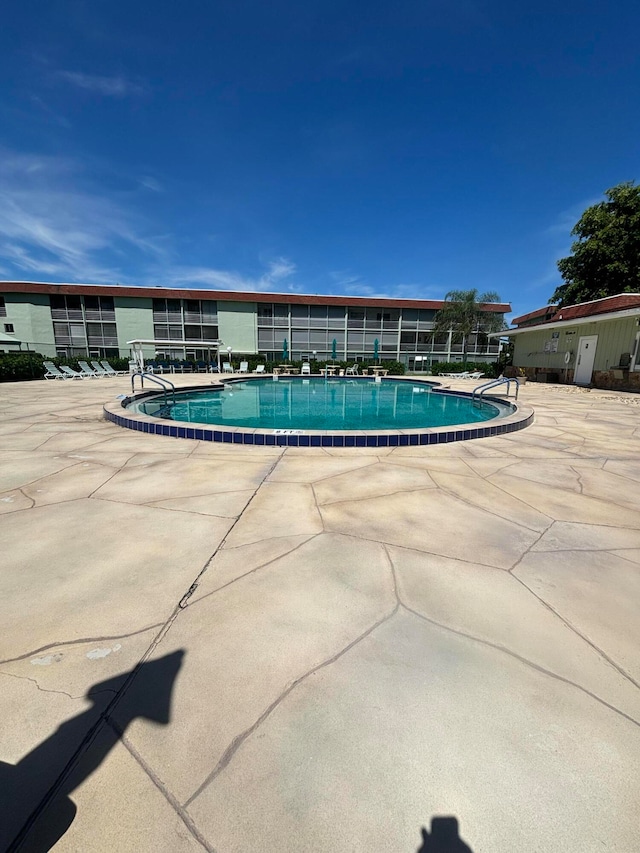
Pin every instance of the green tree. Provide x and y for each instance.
(605, 258)
(464, 315)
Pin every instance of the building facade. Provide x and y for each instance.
(98, 321)
(594, 343)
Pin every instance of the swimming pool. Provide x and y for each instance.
(296, 412)
(324, 405)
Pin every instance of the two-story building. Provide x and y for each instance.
(97, 321)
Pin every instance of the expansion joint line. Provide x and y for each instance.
(105, 716)
(185, 598)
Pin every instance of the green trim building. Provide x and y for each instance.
(594, 343)
(97, 321)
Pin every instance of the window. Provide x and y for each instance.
(57, 302)
(300, 312)
(3, 308)
(8, 327)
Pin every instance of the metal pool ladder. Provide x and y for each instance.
(494, 383)
(159, 380)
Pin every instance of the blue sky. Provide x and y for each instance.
(403, 149)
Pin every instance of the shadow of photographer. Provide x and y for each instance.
(443, 838)
(37, 818)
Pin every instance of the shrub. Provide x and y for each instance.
(18, 366)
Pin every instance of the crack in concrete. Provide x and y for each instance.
(184, 816)
(185, 598)
(27, 497)
(257, 568)
(80, 642)
(45, 476)
(329, 476)
(318, 507)
(42, 689)
(240, 739)
(579, 633)
(418, 550)
(529, 663)
(381, 495)
(498, 514)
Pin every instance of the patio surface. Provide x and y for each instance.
(223, 648)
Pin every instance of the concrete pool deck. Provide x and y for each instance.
(228, 648)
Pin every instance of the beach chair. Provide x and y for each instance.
(72, 374)
(244, 367)
(305, 370)
(227, 367)
(476, 375)
(110, 371)
(259, 368)
(99, 369)
(86, 370)
(52, 372)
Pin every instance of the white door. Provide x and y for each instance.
(584, 360)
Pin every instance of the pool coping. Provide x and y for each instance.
(520, 418)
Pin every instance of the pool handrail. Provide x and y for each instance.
(159, 380)
(494, 383)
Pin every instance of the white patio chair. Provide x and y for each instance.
(99, 369)
(259, 369)
(72, 374)
(86, 370)
(52, 372)
(351, 371)
(244, 367)
(110, 371)
(226, 367)
(305, 370)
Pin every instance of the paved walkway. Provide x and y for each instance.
(319, 650)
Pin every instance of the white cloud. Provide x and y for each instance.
(152, 184)
(52, 223)
(564, 222)
(55, 224)
(274, 279)
(110, 87)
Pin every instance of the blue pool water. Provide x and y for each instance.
(325, 404)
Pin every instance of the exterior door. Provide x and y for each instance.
(584, 360)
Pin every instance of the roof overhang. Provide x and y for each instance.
(560, 324)
(9, 340)
(149, 292)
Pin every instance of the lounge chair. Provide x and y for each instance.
(99, 369)
(72, 374)
(476, 375)
(52, 372)
(110, 371)
(305, 370)
(244, 367)
(227, 367)
(259, 368)
(86, 370)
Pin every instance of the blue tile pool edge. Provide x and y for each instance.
(520, 418)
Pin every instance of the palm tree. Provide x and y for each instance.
(463, 314)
